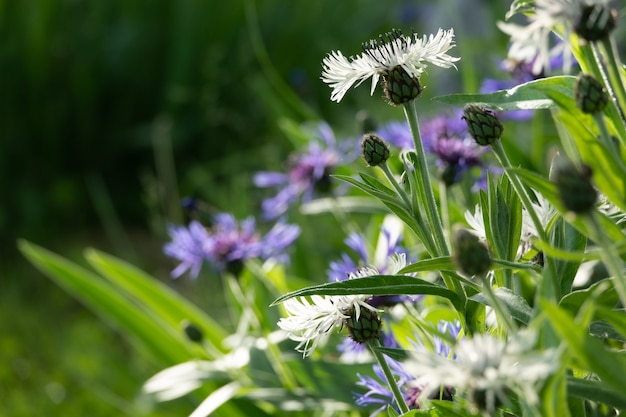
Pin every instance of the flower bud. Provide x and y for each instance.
(367, 326)
(482, 124)
(574, 185)
(596, 22)
(400, 87)
(192, 332)
(591, 96)
(375, 151)
(470, 255)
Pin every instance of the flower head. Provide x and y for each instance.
(308, 173)
(533, 43)
(485, 367)
(227, 244)
(395, 53)
(310, 320)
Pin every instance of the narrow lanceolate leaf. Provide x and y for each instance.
(376, 285)
(528, 96)
(445, 263)
(150, 333)
(155, 296)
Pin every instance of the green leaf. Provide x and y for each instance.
(588, 351)
(528, 96)
(156, 297)
(517, 306)
(565, 237)
(603, 293)
(445, 263)
(604, 330)
(349, 204)
(376, 285)
(596, 391)
(149, 333)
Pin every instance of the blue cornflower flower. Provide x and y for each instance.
(227, 244)
(397, 134)
(308, 174)
(409, 384)
(389, 258)
(187, 246)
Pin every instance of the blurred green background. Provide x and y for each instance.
(111, 110)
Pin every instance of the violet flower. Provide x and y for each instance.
(227, 244)
(308, 173)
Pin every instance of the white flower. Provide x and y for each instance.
(379, 57)
(485, 364)
(308, 321)
(531, 43)
(476, 223)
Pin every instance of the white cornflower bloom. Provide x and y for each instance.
(531, 43)
(545, 212)
(485, 365)
(411, 53)
(308, 321)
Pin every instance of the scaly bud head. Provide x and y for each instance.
(482, 124)
(365, 327)
(470, 255)
(574, 185)
(375, 151)
(400, 87)
(591, 96)
(596, 22)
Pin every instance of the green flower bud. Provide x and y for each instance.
(596, 22)
(364, 328)
(482, 124)
(470, 255)
(591, 96)
(574, 186)
(192, 332)
(375, 151)
(400, 87)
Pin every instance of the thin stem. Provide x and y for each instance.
(608, 254)
(613, 70)
(526, 202)
(393, 385)
(424, 182)
(445, 214)
(390, 177)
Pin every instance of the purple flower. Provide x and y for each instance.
(308, 173)
(378, 392)
(227, 244)
(187, 246)
(383, 261)
(397, 134)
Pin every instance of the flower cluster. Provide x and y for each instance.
(308, 173)
(227, 244)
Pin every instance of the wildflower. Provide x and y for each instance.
(308, 174)
(574, 186)
(227, 244)
(310, 320)
(397, 58)
(483, 125)
(378, 391)
(470, 255)
(591, 96)
(531, 43)
(388, 259)
(187, 246)
(374, 150)
(486, 368)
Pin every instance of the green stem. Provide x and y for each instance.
(498, 149)
(596, 67)
(445, 214)
(613, 67)
(393, 385)
(424, 182)
(390, 177)
(608, 254)
(424, 188)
